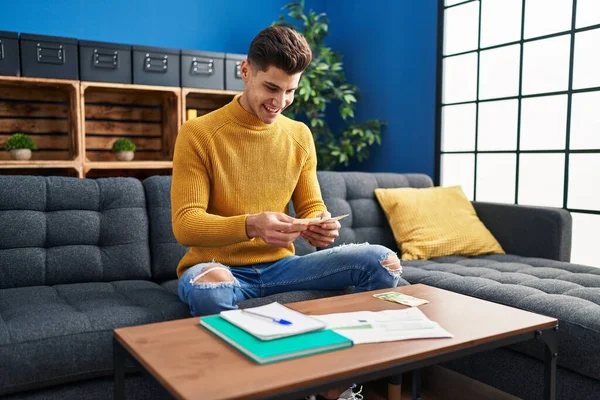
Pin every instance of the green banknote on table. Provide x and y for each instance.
(401, 298)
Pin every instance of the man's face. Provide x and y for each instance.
(267, 93)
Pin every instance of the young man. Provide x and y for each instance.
(234, 173)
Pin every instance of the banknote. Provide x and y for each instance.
(319, 221)
(401, 298)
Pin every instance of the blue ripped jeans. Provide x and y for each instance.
(332, 269)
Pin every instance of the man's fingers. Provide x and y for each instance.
(292, 228)
(285, 225)
(316, 239)
(309, 240)
(280, 239)
(330, 226)
(324, 230)
(325, 215)
(322, 234)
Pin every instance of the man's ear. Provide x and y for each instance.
(245, 70)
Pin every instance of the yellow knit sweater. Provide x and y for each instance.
(229, 164)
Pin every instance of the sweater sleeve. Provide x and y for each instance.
(307, 199)
(190, 193)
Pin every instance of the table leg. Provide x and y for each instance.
(394, 387)
(119, 366)
(550, 338)
(416, 384)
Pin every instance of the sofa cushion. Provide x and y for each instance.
(58, 230)
(62, 333)
(568, 292)
(434, 222)
(354, 193)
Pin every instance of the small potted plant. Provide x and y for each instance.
(20, 145)
(124, 149)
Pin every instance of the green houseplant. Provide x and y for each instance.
(20, 145)
(322, 85)
(124, 149)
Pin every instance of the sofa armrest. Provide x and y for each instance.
(529, 231)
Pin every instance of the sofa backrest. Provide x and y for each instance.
(343, 192)
(165, 251)
(56, 230)
(354, 193)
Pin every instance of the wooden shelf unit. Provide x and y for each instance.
(45, 109)
(147, 115)
(75, 123)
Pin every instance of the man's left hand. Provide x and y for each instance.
(322, 235)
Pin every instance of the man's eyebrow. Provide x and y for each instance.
(276, 86)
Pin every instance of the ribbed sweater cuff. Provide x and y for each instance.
(216, 232)
(235, 228)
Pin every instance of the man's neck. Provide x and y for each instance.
(245, 105)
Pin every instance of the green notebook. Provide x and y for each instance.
(265, 352)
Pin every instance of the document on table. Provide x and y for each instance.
(384, 326)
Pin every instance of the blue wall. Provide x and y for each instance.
(212, 25)
(389, 49)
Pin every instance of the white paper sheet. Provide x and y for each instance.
(384, 326)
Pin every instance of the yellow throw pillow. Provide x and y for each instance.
(435, 222)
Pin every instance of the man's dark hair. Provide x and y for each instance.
(280, 47)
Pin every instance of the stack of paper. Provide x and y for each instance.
(384, 326)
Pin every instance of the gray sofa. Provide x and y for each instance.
(80, 257)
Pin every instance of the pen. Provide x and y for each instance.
(277, 320)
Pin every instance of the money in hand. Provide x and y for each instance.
(401, 299)
(319, 221)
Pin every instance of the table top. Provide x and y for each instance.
(190, 362)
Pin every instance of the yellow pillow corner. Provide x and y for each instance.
(435, 222)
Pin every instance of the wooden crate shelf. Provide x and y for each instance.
(203, 100)
(75, 123)
(45, 109)
(146, 115)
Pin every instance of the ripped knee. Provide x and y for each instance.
(392, 263)
(215, 273)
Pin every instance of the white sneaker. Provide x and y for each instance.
(349, 394)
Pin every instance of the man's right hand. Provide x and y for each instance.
(275, 229)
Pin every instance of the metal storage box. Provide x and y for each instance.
(49, 57)
(105, 62)
(9, 54)
(233, 76)
(202, 69)
(156, 66)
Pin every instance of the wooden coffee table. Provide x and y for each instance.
(191, 363)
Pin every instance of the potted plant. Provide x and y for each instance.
(323, 86)
(124, 149)
(20, 145)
